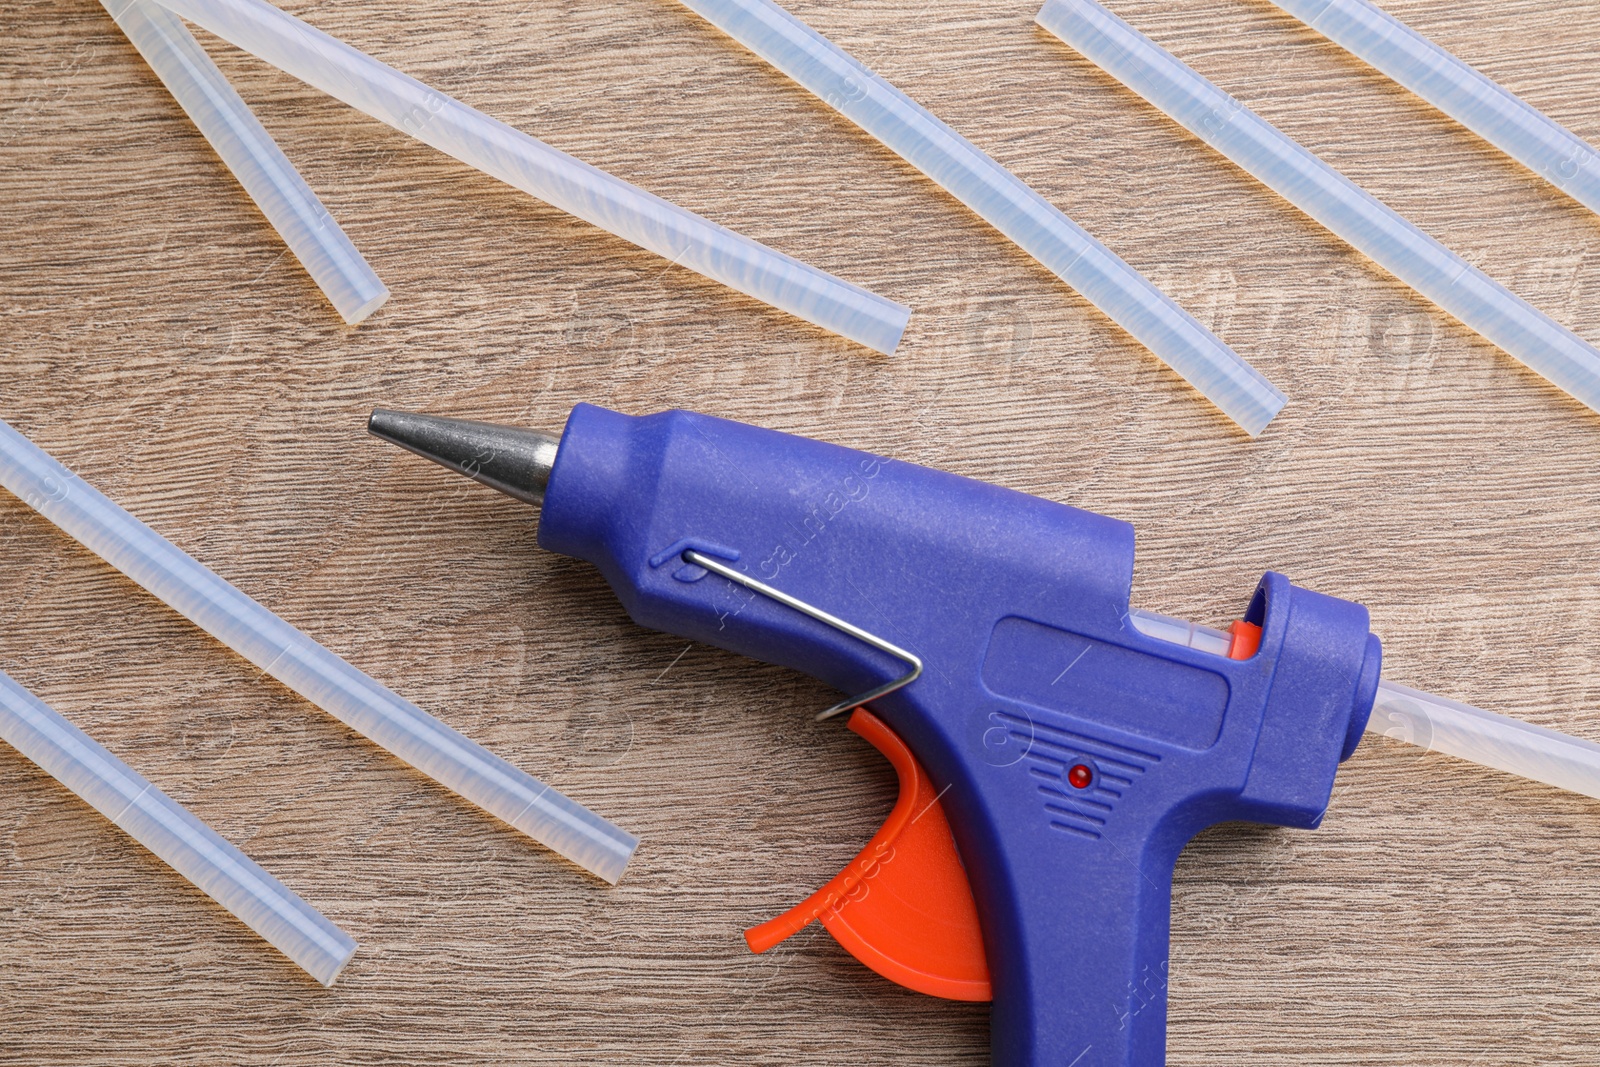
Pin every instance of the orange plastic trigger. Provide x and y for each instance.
(903, 906)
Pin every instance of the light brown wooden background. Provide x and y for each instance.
(157, 339)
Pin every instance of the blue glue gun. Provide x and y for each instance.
(1072, 746)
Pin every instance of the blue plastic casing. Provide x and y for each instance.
(1019, 608)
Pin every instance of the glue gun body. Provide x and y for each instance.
(1074, 755)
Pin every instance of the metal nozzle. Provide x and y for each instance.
(517, 462)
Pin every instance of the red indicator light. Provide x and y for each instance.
(1080, 777)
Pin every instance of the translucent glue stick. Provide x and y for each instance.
(304, 666)
(1480, 104)
(1436, 723)
(254, 158)
(1486, 738)
(1002, 200)
(1335, 201)
(172, 832)
(534, 167)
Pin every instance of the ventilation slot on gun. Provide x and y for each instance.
(1053, 753)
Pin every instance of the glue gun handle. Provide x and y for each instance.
(1081, 978)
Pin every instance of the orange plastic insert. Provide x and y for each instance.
(903, 906)
(1246, 640)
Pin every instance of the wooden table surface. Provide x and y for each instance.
(155, 337)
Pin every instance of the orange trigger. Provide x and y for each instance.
(903, 906)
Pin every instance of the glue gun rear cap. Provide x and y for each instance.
(1355, 620)
(515, 461)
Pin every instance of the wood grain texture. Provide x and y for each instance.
(155, 337)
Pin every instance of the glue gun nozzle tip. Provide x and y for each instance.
(515, 461)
